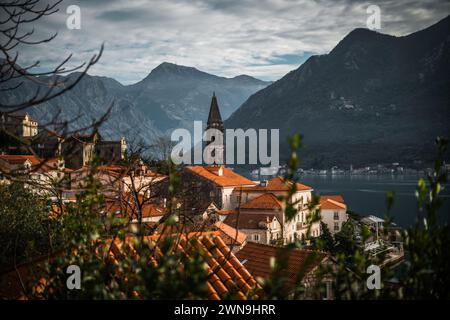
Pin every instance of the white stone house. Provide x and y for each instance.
(333, 212)
(213, 184)
(258, 227)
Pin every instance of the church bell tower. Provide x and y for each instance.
(215, 122)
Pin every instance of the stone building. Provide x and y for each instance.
(212, 183)
(111, 151)
(20, 124)
(333, 212)
(78, 150)
(47, 143)
(258, 227)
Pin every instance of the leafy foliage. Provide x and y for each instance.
(428, 268)
(26, 227)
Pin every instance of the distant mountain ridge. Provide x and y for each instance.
(171, 96)
(374, 98)
(183, 94)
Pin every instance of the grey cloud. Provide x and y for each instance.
(223, 37)
(120, 15)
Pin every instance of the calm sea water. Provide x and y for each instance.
(367, 194)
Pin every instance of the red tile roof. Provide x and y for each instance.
(227, 179)
(43, 165)
(244, 220)
(228, 278)
(256, 258)
(225, 212)
(332, 202)
(337, 198)
(127, 206)
(20, 159)
(118, 169)
(276, 184)
(266, 201)
(230, 235)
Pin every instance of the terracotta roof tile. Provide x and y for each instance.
(19, 159)
(225, 212)
(126, 206)
(264, 201)
(230, 235)
(257, 261)
(228, 278)
(332, 202)
(118, 169)
(227, 179)
(38, 164)
(245, 220)
(337, 198)
(275, 184)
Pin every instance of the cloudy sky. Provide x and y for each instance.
(261, 38)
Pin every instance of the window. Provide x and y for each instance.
(336, 215)
(336, 226)
(256, 237)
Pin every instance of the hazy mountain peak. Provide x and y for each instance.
(169, 66)
(167, 69)
(361, 37)
(171, 72)
(244, 78)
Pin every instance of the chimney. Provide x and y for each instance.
(263, 183)
(220, 171)
(164, 203)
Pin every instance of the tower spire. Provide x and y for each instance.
(216, 156)
(214, 117)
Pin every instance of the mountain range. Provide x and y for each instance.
(171, 96)
(374, 98)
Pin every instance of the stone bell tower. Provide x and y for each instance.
(215, 122)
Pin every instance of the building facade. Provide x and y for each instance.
(212, 184)
(258, 227)
(333, 212)
(111, 151)
(20, 124)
